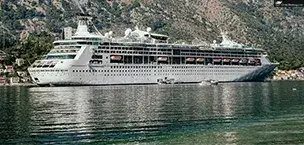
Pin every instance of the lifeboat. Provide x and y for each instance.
(200, 59)
(191, 59)
(115, 57)
(251, 61)
(162, 58)
(243, 60)
(235, 60)
(217, 60)
(226, 60)
(258, 61)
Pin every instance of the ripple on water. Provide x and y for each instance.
(241, 113)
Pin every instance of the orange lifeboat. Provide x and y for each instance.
(190, 59)
(115, 57)
(200, 59)
(162, 58)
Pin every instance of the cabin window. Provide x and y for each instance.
(97, 57)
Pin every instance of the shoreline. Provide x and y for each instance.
(20, 84)
(289, 75)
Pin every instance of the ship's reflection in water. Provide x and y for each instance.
(94, 114)
(169, 114)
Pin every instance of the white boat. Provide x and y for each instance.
(214, 82)
(208, 82)
(143, 57)
(166, 81)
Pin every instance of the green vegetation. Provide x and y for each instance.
(30, 50)
(285, 48)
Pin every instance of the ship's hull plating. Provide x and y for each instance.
(145, 75)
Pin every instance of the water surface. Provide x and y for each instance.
(234, 113)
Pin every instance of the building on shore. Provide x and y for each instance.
(3, 80)
(14, 80)
(25, 80)
(9, 68)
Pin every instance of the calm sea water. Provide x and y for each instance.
(237, 113)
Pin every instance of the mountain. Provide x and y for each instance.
(254, 22)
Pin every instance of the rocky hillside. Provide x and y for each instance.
(252, 22)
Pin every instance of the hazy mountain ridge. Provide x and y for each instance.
(256, 22)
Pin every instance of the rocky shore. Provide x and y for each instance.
(289, 74)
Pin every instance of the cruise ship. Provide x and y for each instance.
(144, 57)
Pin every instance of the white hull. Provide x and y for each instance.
(144, 75)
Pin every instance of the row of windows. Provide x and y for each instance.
(132, 52)
(140, 71)
(134, 48)
(89, 71)
(63, 51)
(136, 67)
(188, 54)
(49, 70)
(169, 74)
(167, 49)
(174, 67)
(60, 56)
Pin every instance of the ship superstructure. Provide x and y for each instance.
(143, 57)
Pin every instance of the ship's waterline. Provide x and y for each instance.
(142, 57)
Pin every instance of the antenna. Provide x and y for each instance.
(79, 6)
(84, 14)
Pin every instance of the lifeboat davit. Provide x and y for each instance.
(191, 59)
(115, 57)
(162, 58)
(200, 59)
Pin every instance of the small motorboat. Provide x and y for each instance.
(214, 82)
(204, 83)
(209, 82)
(167, 81)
